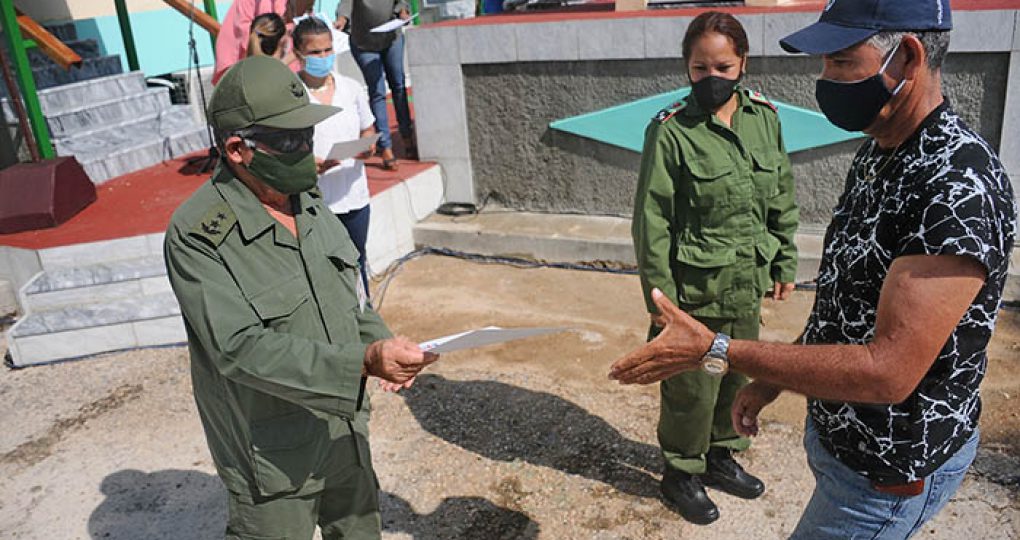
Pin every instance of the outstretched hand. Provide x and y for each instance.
(678, 348)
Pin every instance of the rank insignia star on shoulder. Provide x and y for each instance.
(670, 112)
(757, 97)
(216, 223)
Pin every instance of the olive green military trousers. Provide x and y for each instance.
(694, 411)
(344, 503)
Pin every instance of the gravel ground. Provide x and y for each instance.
(525, 440)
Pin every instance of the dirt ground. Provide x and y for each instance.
(523, 440)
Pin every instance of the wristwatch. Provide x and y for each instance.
(716, 362)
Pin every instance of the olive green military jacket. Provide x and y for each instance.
(276, 332)
(715, 212)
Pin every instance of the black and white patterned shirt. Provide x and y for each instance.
(943, 192)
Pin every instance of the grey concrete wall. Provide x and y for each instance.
(17, 267)
(486, 80)
(521, 163)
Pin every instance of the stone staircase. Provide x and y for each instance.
(111, 121)
(96, 298)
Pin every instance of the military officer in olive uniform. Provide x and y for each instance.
(280, 335)
(714, 221)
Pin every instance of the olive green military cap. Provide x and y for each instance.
(262, 91)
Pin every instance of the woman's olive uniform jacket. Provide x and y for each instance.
(715, 212)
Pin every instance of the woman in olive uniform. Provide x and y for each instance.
(714, 220)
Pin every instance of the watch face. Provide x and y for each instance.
(714, 366)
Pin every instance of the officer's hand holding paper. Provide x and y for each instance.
(489, 335)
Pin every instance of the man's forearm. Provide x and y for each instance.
(832, 372)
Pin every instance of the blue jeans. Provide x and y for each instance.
(380, 68)
(356, 223)
(844, 504)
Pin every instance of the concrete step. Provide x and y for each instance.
(90, 68)
(72, 96)
(600, 240)
(114, 110)
(63, 31)
(557, 238)
(104, 282)
(564, 238)
(126, 154)
(50, 76)
(90, 144)
(86, 48)
(78, 331)
(98, 252)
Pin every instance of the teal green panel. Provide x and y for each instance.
(624, 125)
(161, 36)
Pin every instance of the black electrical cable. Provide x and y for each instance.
(516, 262)
(207, 162)
(456, 209)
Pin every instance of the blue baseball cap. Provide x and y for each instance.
(845, 23)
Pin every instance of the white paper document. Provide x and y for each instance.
(390, 25)
(489, 335)
(348, 149)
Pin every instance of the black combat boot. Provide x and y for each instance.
(686, 492)
(725, 474)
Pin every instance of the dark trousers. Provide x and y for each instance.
(379, 69)
(356, 223)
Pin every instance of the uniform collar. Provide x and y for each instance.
(252, 218)
(308, 203)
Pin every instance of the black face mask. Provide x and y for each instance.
(854, 106)
(712, 92)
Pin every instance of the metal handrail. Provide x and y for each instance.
(18, 46)
(47, 42)
(206, 20)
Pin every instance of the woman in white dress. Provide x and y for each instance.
(344, 184)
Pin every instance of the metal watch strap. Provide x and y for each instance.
(720, 347)
(716, 361)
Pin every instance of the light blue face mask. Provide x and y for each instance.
(319, 66)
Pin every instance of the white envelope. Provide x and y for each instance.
(348, 149)
(489, 335)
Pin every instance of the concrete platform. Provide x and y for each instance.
(602, 240)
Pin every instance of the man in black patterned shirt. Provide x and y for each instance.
(911, 281)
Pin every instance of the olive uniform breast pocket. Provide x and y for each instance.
(280, 302)
(766, 173)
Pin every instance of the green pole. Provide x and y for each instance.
(23, 70)
(414, 11)
(126, 35)
(210, 8)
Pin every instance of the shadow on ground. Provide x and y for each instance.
(504, 422)
(177, 504)
(457, 518)
(170, 504)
